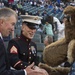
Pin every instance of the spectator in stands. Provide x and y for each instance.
(55, 19)
(55, 22)
(34, 3)
(48, 27)
(8, 19)
(54, 11)
(60, 9)
(31, 2)
(50, 5)
(58, 3)
(16, 10)
(48, 40)
(61, 32)
(44, 14)
(38, 13)
(38, 3)
(55, 25)
(22, 51)
(1, 4)
(19, 6)
(40, 29)
(10, 1)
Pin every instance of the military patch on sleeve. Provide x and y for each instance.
(13, 50)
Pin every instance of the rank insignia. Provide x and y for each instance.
(13, 50)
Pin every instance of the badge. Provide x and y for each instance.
(33, 49)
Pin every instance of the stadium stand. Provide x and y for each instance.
(37, 38)
(40, 48)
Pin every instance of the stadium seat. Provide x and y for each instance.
(37, 38)
(40, 48)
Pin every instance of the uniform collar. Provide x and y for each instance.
(25, 38)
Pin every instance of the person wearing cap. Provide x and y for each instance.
(22, 51)
(8, 19)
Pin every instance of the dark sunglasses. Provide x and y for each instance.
(30, 25)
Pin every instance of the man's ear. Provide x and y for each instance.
(1, 21)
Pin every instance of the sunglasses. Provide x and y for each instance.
(30, 25)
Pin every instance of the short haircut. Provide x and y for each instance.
(7, 12)
(49, 38)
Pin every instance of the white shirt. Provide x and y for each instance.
(1, 36)
(25, 72)
(61, 31)
(58, 22)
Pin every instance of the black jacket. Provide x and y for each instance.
(25, 52)
(4, 64)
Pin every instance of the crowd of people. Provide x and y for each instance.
(54, 27)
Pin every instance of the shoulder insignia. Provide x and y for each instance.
(13, 50)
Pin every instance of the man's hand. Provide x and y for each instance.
(31, 70)
(44, 72)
